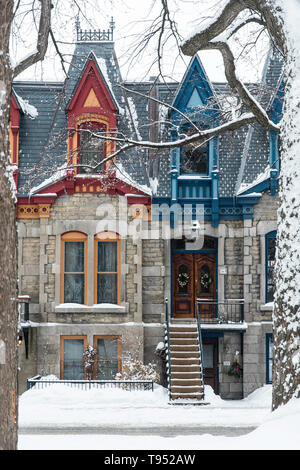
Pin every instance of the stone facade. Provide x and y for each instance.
(146, 282)
(92, 204)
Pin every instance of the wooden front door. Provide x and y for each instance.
(205, 283)
(194, 276)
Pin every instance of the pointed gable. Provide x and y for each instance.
(195, 89)
(92, 94)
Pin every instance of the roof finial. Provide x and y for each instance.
(77, 22)
(112, 26)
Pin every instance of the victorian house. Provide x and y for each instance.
(103, 257)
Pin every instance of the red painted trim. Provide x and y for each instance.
(91, 78)
(67, 186)
(14, 113)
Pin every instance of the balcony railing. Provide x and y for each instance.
(225, 311)
(130, 385)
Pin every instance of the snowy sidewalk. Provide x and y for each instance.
(60, 417)
(60, 406)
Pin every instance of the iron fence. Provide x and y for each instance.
(131, 385)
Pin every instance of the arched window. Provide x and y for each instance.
(107, 268)
(73, 268)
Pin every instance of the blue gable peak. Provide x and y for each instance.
(195, 89)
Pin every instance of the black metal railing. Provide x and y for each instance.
(130, 385)
(96, 34)
(167, 340)
(201, 351)
(225, 311)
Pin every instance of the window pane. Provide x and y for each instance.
(208, 356)
(74, 288)
(270, 358)
(194, 160)
(270, 268)
(107, 288)
(107, 366)
(73, 371)
(74, 257)
(107, 257)
(92, 147)
(73, 359)
(73, 349)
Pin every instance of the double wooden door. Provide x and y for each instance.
(194, 277)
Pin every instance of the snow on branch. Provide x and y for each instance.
(42, 39)
(214, 37)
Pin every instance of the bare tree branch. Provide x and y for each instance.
(42, 39)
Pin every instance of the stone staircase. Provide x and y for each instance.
(185, 372)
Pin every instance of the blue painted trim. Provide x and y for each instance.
(276, 108)
(195, 77)
(269, 337)
(212, 334)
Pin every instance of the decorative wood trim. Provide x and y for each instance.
(62, 338)
(14, 125)
(118, 338)
(72, 237)
(91, 100)
(33, 211)
(107, 237)
(141, 211)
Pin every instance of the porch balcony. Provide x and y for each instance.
(220, 312)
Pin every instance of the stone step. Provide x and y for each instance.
(186, 375)
(183, 337)
(185, 382)
(186, 361)
(183, 341)
(185, 355)
(185, 367)
(196, 396)
(184, 347)
(191, 389)
(183, 329)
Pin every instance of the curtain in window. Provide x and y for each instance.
(74, 273)
(107, 272)
(107, 363)
(73, 359)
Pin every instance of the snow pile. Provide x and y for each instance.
(60, 405)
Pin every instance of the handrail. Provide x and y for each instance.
(226, 311)
(200, 349)
(168, 356)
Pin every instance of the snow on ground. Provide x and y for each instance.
(61, 406)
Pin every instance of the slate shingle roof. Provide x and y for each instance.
(243, 155)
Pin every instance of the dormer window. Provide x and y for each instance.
(92, 147)
(194, 159)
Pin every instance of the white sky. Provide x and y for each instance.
(132, 20)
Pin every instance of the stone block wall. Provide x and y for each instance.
(153, 286)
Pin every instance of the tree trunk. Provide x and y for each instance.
(286, 359)
(8, 244)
